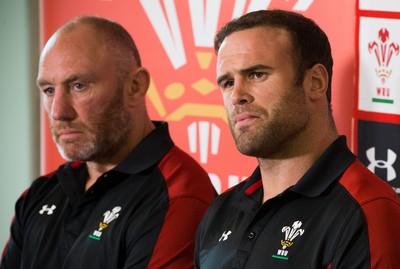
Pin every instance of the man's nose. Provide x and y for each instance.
(61, 107)
(241, 93)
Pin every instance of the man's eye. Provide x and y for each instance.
(48, 91)
(227, 84)
(256, 75)
(79, 86)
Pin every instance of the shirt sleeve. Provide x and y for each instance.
(374, 244)
(383, 220)
(175, 245)
(11, 256)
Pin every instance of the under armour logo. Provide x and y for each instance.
(47, 209)
(224, 236)
(391, 172)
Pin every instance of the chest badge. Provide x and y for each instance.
(224, 236)
(109, 216)
(290, 234)
(48, 210)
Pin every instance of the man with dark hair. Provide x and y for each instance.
(129, 197)
(310, 203)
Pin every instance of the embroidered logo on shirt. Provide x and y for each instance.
(290, 234)
(225, 235)
(48, 210)
(109, 216)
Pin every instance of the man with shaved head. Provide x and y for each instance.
(127, 197)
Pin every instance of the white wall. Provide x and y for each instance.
(19, 104)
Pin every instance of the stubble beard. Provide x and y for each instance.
(270, 135)
(254, 141)
(103, 139)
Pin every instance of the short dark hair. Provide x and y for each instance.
(309, 41)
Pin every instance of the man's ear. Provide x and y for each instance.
(317, 82)
(139, 83)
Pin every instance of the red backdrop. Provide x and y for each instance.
(175, 41)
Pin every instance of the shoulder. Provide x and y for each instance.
(226, 201)
(365, 187)
(185, 177)
(43, 185)
(380, 205)
(177, 158)
(225, 204)
(35, 194)
(376, 199)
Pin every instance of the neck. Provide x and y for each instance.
(278, 174)
(98, 167)
(95, 170)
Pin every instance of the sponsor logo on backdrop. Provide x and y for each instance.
(382, 164)
(186, 36)
(379, 65)
(384, 51)
(379, 150)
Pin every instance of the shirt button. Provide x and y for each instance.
(251, 235)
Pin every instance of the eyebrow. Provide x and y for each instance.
(244, 71)
(41, 82)
(72, 78)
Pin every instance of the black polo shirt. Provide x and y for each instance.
(119, 221)
(321, 222)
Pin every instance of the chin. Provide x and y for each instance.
(72, 156)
